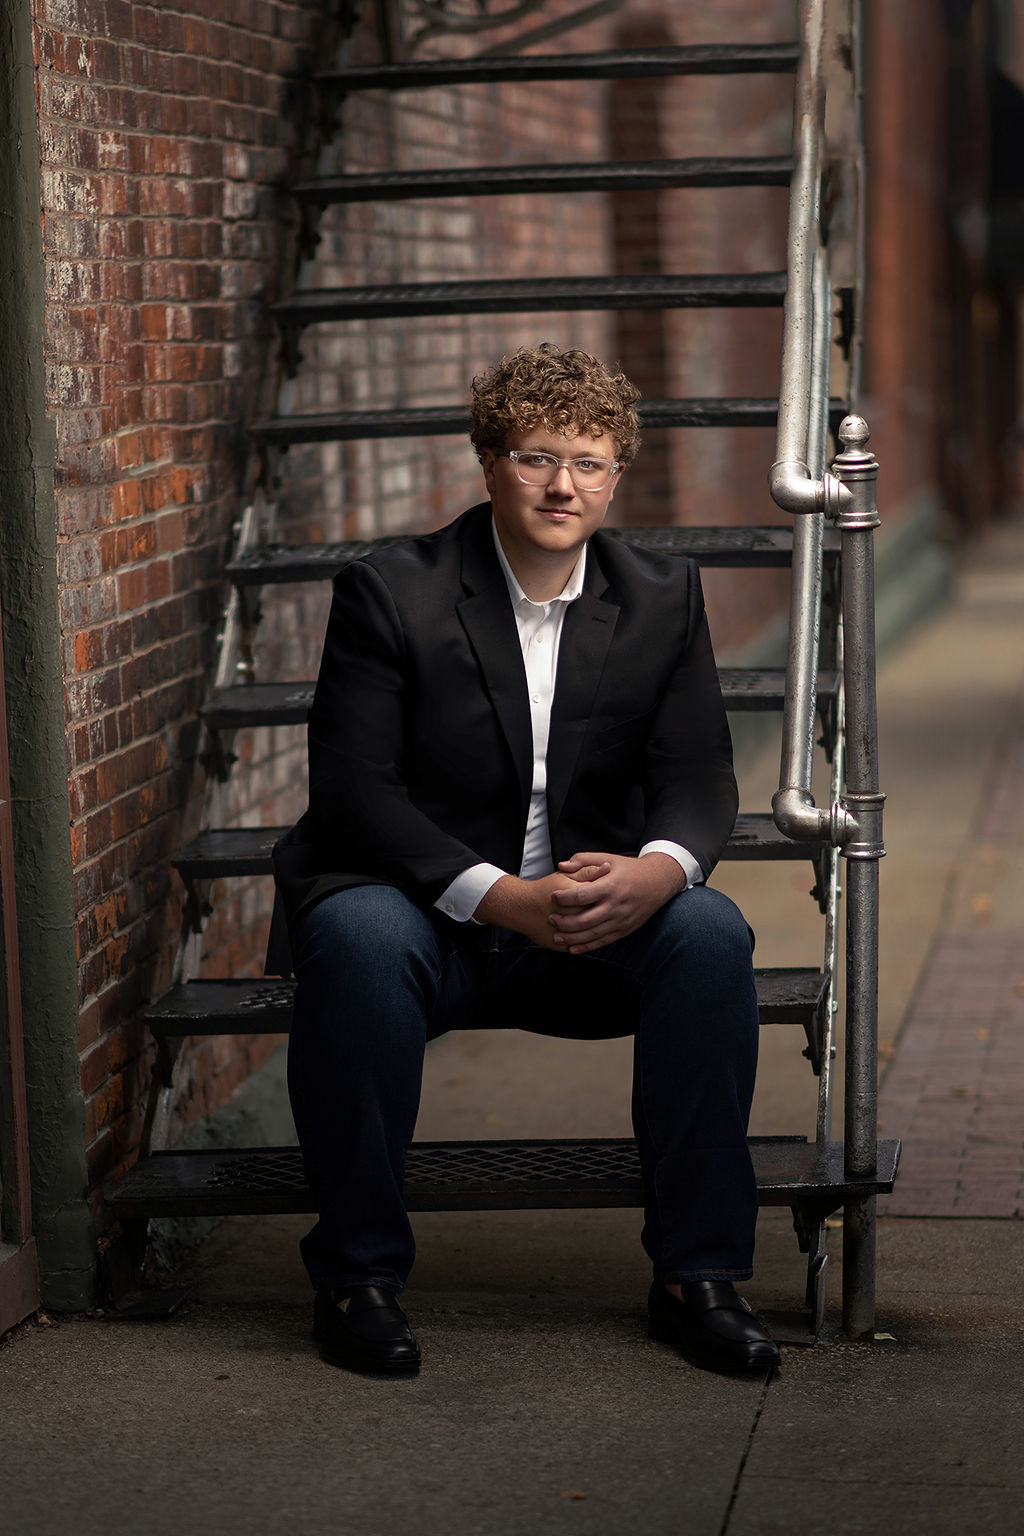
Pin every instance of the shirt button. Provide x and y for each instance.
(535, 697)
(448, 907)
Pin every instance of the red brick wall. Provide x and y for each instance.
(943, 340)
(163, 135)
(385, 486)
(907, 350)
(715, 475)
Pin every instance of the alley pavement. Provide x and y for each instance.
(542, 1407)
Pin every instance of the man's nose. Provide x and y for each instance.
(561, 482)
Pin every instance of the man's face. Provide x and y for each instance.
(554, 518)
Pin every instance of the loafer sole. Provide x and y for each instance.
(370, 1367)
(714, 1358)
(357, 1360)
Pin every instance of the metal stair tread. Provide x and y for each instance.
(710, 546)
(222, 852)
(745, 689)
(347, 425)
(627, 63)
(511, 180)
(515, 295)
(263, 1006)
(487, 1175)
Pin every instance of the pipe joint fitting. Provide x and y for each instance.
(857, 469)
(864, 816)
(798, 817)
(794, 489)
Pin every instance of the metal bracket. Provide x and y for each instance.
(310, 216)
(814, 1029)
(822, 879)
(846, 316)
(196, 906)
(218, 761)
(291, 351)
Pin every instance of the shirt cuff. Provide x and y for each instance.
(467, 891)
(686, 861)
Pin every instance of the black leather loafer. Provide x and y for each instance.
(713, 1327)
(364, 1329)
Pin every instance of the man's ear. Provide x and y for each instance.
(487, 462)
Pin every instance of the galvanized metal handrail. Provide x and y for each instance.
(792, 484)
(797, 480)
(800, 484)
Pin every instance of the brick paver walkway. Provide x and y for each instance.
(955, 1091)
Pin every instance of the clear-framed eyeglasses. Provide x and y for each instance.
(540, 468)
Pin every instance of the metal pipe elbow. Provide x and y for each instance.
(794, 489)
(798, 817)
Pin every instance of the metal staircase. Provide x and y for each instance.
(814, 1178)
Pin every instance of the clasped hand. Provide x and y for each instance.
(610, 896)
(591, 900)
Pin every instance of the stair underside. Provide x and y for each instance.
(757, 290)
(513, 180)
(490, 1175)
(629, 63)
(719, 547)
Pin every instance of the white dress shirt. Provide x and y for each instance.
(540, 634)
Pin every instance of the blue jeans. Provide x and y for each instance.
(378, 976)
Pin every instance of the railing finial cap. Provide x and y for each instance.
(854, 433)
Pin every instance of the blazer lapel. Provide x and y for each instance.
(487, 618)
(586, 638)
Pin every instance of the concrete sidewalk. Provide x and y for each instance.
(542, 1407)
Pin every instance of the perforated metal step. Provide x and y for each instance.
(630, 63)
(490, 1175)
(453, 420)
(729, 547)
(514, 180)
(259, 1006)
(264, 704)
(224, 852)
(754, 290)
(258, 704)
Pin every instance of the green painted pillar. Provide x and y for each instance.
(35, 702)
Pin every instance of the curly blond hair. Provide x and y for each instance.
(569, 392)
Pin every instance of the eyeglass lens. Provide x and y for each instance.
(539, 468)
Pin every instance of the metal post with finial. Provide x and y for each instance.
(857, 520)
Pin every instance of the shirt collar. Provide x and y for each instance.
(569, 593)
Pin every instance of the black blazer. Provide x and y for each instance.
(420, 741)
